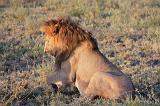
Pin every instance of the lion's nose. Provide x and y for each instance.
(45, 48)
(45, 51)
(40, 33)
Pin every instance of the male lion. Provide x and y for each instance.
(79, 61)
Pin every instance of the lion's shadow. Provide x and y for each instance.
(67, 90)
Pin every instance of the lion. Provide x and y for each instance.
(79, 61)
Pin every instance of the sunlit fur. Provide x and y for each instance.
(79, 61)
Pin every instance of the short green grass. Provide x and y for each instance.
(127, 31)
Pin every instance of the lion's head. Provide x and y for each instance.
(62, 36)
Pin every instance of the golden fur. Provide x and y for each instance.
(79, 61)
(64, 36)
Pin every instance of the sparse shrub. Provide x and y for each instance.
(30, 25)
(16, 8)
(21, 13)
(53, 4)
(15, 4)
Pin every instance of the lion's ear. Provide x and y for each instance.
(56, 28)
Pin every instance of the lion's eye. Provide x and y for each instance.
(41, 33)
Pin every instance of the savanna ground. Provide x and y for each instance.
(127, 31)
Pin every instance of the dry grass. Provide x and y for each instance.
(127, 32)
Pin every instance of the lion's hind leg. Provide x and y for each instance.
(108, 85)
(96, 86)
